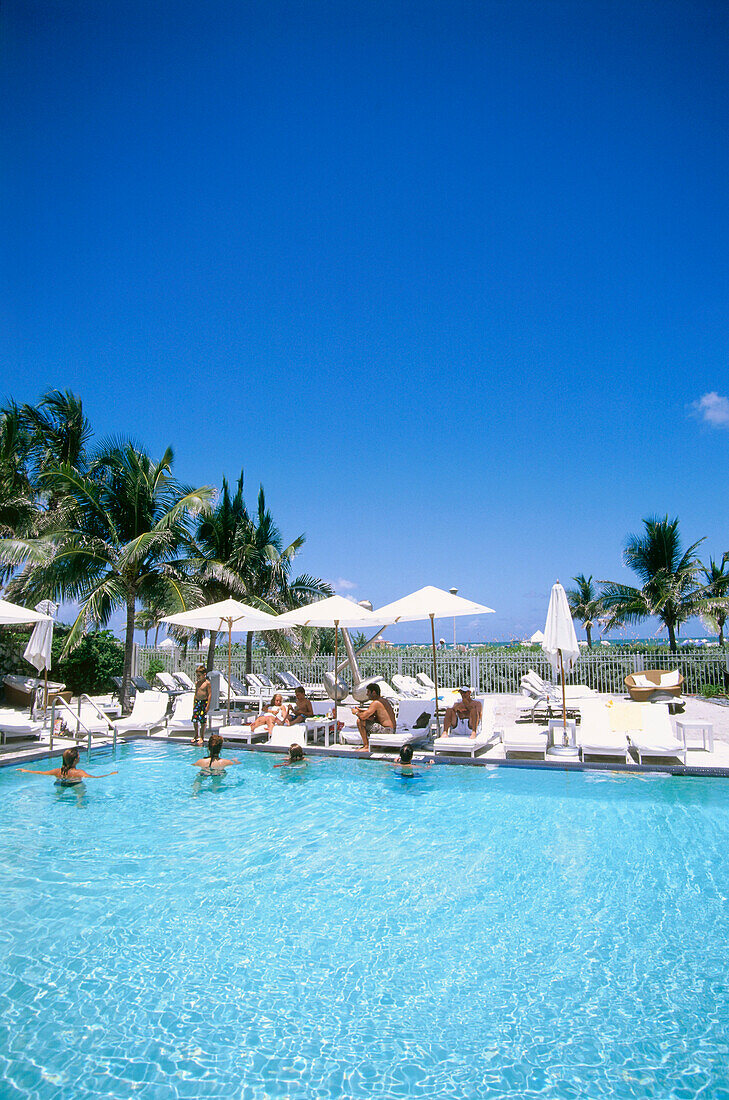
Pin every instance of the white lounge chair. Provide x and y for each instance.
(244, 733)
(460, 741)
(602, 733)
(533, 684)
(657, 737)
(409, 687)
(18, 726)
(180, 721)
(148, 713)
(184, 681)
(525, 741)
(168, 682)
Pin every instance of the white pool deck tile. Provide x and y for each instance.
(506, 707)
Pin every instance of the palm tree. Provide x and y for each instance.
(60, 433)
(264, 564)
(670, 588)
(717, 579)
(584, 603)
(120, 533)
(17, 495)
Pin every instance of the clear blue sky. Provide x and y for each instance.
(450, 279)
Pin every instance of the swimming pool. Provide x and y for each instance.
(344, 933)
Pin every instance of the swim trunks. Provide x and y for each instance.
(373, 726)
(199, 710)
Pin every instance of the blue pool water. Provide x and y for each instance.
(344, 933)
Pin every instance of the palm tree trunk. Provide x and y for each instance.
(128, 650)
(156, 635)
(588, 632)
(211, 651)
(249, 651)
(672, 637)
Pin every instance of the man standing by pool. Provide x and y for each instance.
(467, 709)
(376, 717)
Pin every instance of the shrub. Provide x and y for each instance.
(97, 658)
(153, 667)
(711, 690)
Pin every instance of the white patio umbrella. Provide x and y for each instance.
(430, 603)
(333, 611)
(560, 641)
(38, 650)
(13, 615)
(227, 615)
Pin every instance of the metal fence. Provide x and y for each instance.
(484, 670)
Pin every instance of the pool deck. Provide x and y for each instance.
(700, 762)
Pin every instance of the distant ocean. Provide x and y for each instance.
(596, 643)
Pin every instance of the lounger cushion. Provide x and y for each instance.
(670, 679)
(642, 681)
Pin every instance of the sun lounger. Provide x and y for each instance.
(525, 741)
(180, 721)
(602, 732)
(148, 713)
(533, 684)
(184, 681)
(168, 683)
(244, 733)
(460, 741)
(19, 727)
(409, 687)
(642, 686)
(657, 737)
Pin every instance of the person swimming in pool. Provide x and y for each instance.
(213, 764)
(296, 756)
(405, 763)
(68, 775)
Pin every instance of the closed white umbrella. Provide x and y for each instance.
(333, 611)
(560, 641)
(430, 603)
(227, 615)
(38, 650)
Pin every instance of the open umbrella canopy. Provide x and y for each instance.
(13, 615)
(559, 632)
(334, 610)
(38, 650)
(429, 602)
(225, 615)
(537, 638)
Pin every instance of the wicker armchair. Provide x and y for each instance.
(641, 692)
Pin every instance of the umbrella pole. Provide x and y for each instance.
(435, 674)
(230, 631)
(564, 695)
(45, 693)
(336, 662)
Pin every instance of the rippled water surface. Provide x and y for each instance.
(343, 933)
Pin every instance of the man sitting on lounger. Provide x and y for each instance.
(467, 709)
(377, 717)
(302, 708)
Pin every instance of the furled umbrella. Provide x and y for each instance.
(560, 641)
(333, 611)
(226, 615)
(430, 603)
(38, 650)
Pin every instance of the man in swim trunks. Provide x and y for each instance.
(377, 717)
(467, 709)
(201, 704)
(302, 708)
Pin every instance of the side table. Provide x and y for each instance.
(686, 726)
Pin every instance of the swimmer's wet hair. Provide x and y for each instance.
(215, 744)
(374, 688)
(70, 759)
(296, 753)
(406, 754)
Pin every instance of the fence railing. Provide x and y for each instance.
(485, 670)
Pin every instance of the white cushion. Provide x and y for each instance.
(642, 681)
(670, 679)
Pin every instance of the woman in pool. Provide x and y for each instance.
(296, 756)
(213, 764)
(275, 714)
(68, 775)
